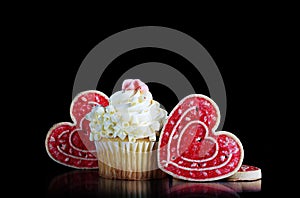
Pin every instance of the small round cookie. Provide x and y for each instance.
(246, 173)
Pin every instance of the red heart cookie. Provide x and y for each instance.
(68, 143)
(189, 148)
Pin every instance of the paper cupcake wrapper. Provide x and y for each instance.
(128, 160)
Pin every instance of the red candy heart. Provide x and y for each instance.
(189, 147)
(68, 143)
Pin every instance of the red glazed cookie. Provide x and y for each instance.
(246, 173)
(68, 143)
(191, 149)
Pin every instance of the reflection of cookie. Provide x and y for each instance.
(189, 147)
(76, 181)
(246, 173)
(244, 186)
(181, 188)
(68, 143)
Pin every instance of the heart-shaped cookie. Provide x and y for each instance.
(68, 143)
(189, 148)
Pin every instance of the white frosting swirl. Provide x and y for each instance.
(131, 113)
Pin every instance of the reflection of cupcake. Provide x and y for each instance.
(126, 133)
(125, 188)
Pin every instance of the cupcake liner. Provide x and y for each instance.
(128, 160)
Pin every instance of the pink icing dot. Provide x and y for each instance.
(134, 84)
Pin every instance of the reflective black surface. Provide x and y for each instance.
(87, 183)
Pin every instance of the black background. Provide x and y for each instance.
(245, 49)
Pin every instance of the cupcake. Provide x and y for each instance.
(126, 133)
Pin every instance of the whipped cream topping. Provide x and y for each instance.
(131, 113)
